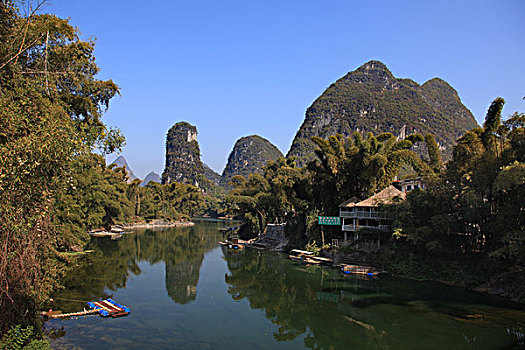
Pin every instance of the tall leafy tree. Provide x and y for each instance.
(475, 209)
(51, 105)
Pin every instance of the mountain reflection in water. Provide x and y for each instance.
(186, 292)
(113, 261)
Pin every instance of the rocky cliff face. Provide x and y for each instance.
(249, 155)
(120, 162)
(372, 99)
(183, 159)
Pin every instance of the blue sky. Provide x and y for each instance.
(236, 68)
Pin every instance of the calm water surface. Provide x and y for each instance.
(186, 292)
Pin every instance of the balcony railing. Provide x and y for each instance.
(355, 228)
(366, 215)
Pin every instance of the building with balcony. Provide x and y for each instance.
(357, 214)
(409, 184)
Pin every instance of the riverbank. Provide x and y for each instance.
(158, 225)
(474, 274)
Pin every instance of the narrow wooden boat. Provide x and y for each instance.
(295, 257)
(238, 246)
(360, 270)
(311, 261)
(231, 245)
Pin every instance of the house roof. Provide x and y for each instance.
(386, 196)
(352, 200)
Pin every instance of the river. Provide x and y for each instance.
(187, 292)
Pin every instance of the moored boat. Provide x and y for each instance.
(360, 270)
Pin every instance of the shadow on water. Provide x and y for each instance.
(340, 312)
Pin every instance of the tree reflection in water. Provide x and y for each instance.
(333, 311)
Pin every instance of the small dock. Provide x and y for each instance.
(323, 261)
(59, 314)
(116, 232)
(234, 243)
(309, 258)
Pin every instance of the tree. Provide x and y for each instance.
(51, 105)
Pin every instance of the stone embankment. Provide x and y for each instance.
(272, 239)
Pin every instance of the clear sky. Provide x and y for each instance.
(236, 68)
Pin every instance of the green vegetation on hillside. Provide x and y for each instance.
(372, 99)
(473, 213)
(249, 156)
(183, 157)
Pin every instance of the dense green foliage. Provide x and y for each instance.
(19, 338)
(475, 209)
(372, 99)
(171, 202)
(51, 105)
(249, 156)
(121, 162)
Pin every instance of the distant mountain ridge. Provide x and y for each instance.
(120, 162)
(183, 164)
(152, 176)
(372, 99)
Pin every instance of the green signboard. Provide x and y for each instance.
(329, 220)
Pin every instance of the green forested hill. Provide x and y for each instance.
(372, 99)
(249, 155)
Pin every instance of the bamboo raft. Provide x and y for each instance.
(109, 307)
(105, 308)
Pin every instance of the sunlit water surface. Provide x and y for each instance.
(186, 292)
